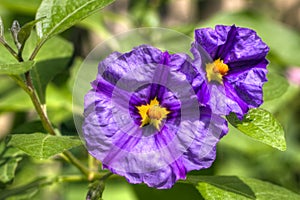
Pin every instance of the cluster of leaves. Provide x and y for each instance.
(40, 56)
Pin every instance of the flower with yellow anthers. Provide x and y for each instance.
(216, 70)
(236, 68)
(152, 114)
(143, 121)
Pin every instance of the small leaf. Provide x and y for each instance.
(211, 189)
(16, 68)
(7, 170)
(260, 125)
(25, 31)
(61, 15)
(43, 146)
(231, 184)
(275, 87)
(10, 157)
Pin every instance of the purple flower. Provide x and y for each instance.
(235, 68)
(143, 121)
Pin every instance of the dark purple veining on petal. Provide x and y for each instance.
(185, 141)
(244, 52)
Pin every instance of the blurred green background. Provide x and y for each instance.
(276, 21)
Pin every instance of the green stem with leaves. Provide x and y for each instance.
(40, 109)
(11, 50)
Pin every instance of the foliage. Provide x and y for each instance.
(38, 68)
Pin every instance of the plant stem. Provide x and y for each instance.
(106, 176)
(22, 189)
(76, 163)
(70, 178)
(29, 89)
(13, 52)
(40, 182)
(36, 49)
(93, 168)
(41, 109)
(48, 127)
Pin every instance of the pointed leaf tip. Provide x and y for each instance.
(260, 125)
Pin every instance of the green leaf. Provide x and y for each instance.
(7, 170)
(16, 68)
(25, 31)
(231, 184)
(62, 14)
(15, 100)
(212, 188)
(6, 57)
(29, 127)
(260, 125)
(59, 101)
(52, 59)
(43, 146)
(276, 86)
(10, 157)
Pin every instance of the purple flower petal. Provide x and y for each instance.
(186, 139)
(243, 51)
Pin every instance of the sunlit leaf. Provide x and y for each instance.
(230, 187)
(16, 68)
(61, 15)
(25, 31)
(260, 125)
(43, 146)
(231, 184)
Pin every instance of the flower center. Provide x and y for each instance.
(216, 70)
(152, 114)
